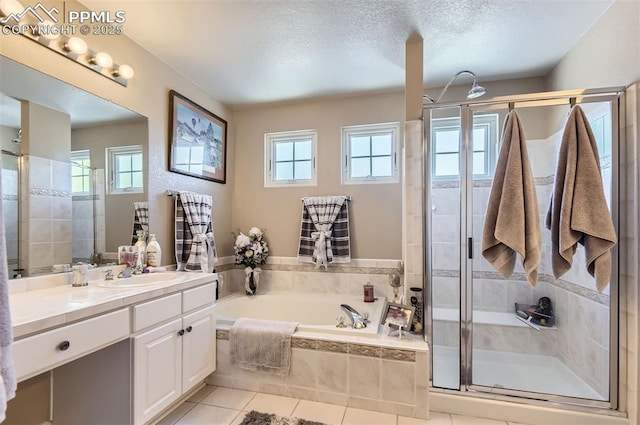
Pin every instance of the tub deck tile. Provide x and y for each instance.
(365, 350)
(402, 355)
(335, 347)
(309, 344)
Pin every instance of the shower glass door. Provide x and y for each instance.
(478, 341)
(443, 129)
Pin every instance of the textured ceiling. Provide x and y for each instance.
(251, 51)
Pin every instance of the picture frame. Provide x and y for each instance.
(397, 315)
(197, 140)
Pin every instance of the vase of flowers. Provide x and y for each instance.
(251, 250)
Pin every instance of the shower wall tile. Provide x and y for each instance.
(489, 295)
(445, 228)
(445, 201)
(61, 207)
(519, 292)
(62, 230)
(61, 176)
(445, 256)
(40, 231)
(62, 253)
(39, 171)
(446, 292)
(40, 254)
(39, 207)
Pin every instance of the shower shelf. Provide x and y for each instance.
(483, 318)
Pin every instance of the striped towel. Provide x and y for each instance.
(140, 221)
(195, 243)
(324, 232)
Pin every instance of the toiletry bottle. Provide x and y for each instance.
(142, 248)
(368, 293)
(154, 252)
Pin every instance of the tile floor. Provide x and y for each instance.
(226, 406)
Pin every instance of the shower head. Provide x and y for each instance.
(475, 91)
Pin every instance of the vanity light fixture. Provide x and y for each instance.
(53, 36)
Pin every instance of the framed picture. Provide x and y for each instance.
(197, 140)
(397, 315)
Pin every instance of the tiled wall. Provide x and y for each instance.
(356, 375)
(45, 204)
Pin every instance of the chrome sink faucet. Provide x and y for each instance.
(357, 321)
(128, 272)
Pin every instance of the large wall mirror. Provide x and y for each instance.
(73, 166)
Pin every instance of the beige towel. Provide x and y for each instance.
(578, 210)
(512, 224)
(261, 345)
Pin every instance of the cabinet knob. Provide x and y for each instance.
(189, 329)
(63, 346)
(181, 332)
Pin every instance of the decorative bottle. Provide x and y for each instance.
(142, 250)
(154, 252)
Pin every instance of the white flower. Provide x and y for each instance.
(255, 232)
(242, 240)
(248, 254)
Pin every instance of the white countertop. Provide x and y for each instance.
(39, 308)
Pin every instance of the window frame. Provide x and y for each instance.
(81, 155)
(490, 122)
(111, 168)
(270, 141)
(370, 130)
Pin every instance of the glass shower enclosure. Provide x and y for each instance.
(478, 343)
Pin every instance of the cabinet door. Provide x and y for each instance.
(157, 370)
(199, 347)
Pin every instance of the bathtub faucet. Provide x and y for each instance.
(357, 321)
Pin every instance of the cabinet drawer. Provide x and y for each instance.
(198, 297)
(47, 350)
(156, 311)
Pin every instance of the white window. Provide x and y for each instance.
(125, 170)
(369, 153)
(445, 146)
(80, 172)
(290, 158)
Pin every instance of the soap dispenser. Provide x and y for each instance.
(142, 250)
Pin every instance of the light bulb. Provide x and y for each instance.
(7, 7)
(124, 71)
(76, 45)
(46, 29)
(102, 59)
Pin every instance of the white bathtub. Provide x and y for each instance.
(315, 312)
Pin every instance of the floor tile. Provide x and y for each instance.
(200, 395)
(267, 403)
(229, 398)
(177, 413)
(204, 414)
(319, 412)
(435, 418)
(467, 420)
(367, 417)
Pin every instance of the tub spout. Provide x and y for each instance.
(357, 321)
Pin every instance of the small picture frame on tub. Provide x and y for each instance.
(398, 315)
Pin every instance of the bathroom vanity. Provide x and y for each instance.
(118, 354)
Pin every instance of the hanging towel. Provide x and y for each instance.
(261, 345)
(512, 223)
(324, 232)
(140, 220)
(578, 210)
(7, 372)
(195, 243)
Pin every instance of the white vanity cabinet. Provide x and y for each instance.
(173, 349)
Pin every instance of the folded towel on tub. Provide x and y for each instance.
(261, 345)
(512, 222)
(578, 211)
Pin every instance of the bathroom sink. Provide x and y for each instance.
(146, 279)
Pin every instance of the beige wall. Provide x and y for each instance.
(375, 218)
(607, 55)
(46, 133)
(118, 207)
(148, 95)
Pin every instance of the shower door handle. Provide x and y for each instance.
(470, 248)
